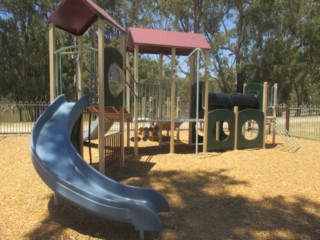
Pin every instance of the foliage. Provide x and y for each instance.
(283, 42)
(275, 41)
(23, 63)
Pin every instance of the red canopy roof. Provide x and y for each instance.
(76, 16)
(160, 41)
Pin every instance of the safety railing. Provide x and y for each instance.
(112, 147)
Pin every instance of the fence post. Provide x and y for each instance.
(287, 117)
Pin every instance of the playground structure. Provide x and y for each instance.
(146, 41)
(105, 83)
(56, 158)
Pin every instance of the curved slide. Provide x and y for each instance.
(94, 129)
(70, 177)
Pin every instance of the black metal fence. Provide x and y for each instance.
(18, 118)
(300, 121)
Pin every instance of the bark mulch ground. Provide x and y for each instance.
(244, 194)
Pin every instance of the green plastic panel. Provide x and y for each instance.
(226, 141)
(244, 116)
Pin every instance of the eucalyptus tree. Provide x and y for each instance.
(284, 46)
(275, 41)
(303, 28)
(223, 24)
(220, 30)
(24, 50)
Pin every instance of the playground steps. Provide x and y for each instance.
(285, 135)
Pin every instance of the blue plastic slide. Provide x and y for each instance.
(94, 129)
(70, 177)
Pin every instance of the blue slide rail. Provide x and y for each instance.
(61, 167)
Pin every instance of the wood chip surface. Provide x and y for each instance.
(244, 194)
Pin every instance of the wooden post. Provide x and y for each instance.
(122, 160)
(274, 114)
(264, 109)
(178, 116)
(79, 67)
(160, 115)
(101, 26)
(128, 134)
(173, 98)
(122, 51)
(52, 63)
(191, 81)
(160, 86)
(136, 77)
(128, 93)
(79, 87)
(236, 123)
(206, 101)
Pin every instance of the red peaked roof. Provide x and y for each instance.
(161, 41)
(76, 16)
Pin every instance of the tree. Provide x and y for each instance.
(275, 41)
(284, 44)
(24, 50)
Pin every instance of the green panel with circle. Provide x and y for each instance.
(222, 120)
(114, 77)
(250, 129)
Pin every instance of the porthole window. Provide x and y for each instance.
(115, 79)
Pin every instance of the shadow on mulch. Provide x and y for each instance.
(271, 145)
(68, 216)
(202, 207)
(180, 148)
(136, 168)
